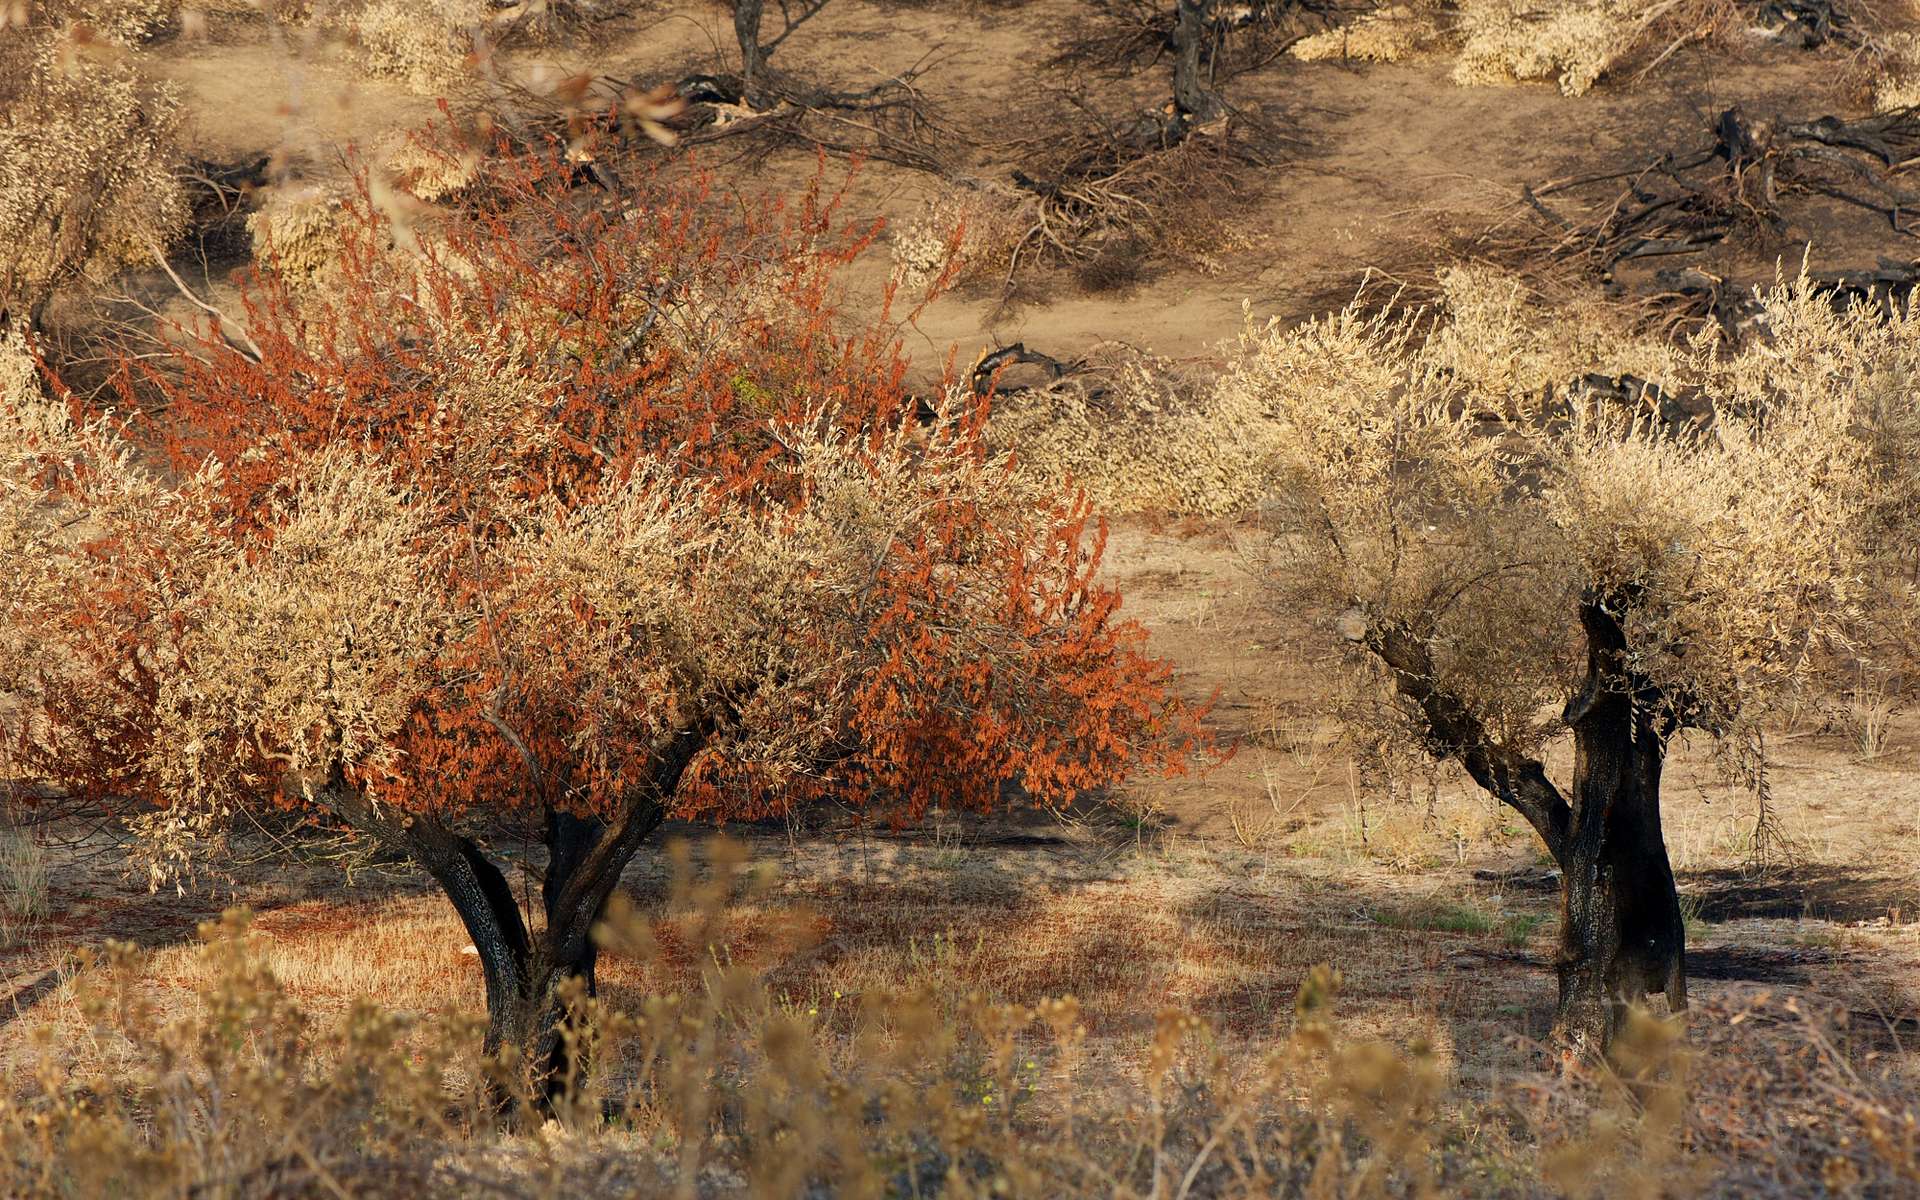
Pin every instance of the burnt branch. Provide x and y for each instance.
(1455, 732)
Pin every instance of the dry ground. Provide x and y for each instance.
(1214, 892)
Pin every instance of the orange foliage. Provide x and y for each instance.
(685, 339)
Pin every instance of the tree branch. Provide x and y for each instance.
(1519, 782)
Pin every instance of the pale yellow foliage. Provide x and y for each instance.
(1732, 555)
(426, 171)
(1897, 82)
(87, 162)
(427, 44)
(1508, 348)
(987, 222)
(296, 231)
(317, 645)
(1134, 438)
(44, 555)
(19, 377)
(1572, 43)
(128, 21)
(1450, 474)
(132, 22)
(1387, 34)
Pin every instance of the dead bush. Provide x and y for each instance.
(427, 44)
(87, 167)
(1118, 266)
(976, 226)
(1098, 183)
(1572, 43)
(1122, 37)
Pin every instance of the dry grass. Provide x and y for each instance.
(1197, 1046)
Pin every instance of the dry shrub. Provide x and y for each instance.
(298, 228)
(1896, 75)
(428, 166)
(1096, 184)
(1133, 433)
(1141, 436)
(426, 44)
(977, 227)
(433, 45)
(19, 375)
(134, 22)
(209, 1078)
(297, 231)
(1507, 345)
(128, 21)
(1118, 266)
(1404, 834)
(87, 163)
(1573, 43)
(1388, 34)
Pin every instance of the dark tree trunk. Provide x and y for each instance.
(524, 971)
(1622, 937)
(746, 30)
(1194, 102)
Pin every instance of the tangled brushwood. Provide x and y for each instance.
(1756, 190)
(1096, 184)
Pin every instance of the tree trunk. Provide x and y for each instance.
(1194, 103)
(1622, 938)
(746, 30)
(524, 970)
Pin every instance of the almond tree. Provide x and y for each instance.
(564, 508)
(1592, 563)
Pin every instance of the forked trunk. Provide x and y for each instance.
(1622, 937)
(525, 971)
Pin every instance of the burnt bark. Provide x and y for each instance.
(526, 970)
(1622, 935)
(1194, 101)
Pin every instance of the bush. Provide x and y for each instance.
(87, 167)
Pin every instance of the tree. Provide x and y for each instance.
(1519, 560)
(566, 509)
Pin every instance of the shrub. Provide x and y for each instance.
(87, 164)
(426, 44)
(1387, 34)
(1573, 43)
(976, 227)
